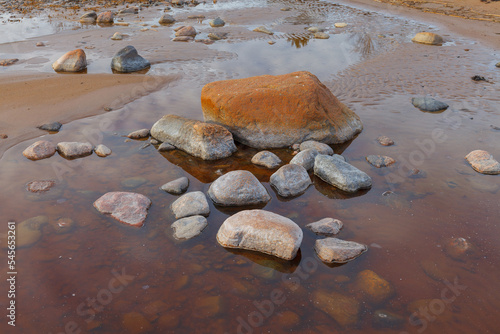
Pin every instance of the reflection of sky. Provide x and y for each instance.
(323, 58)
(29, 28)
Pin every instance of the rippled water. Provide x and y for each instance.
(199, 287)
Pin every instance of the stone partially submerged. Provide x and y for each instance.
(483, 162)
(335, 171)
(73, 150)
(203, 140)
(333, 250)
(428, 38)
(261, 231)
(238, 188)
(278, 111)
(326, 226)
(290, 180)
(127, 60)
(190, 227)
(72, 61)
(191, 204)
(41, 149)
(429, 104)
(127, 208)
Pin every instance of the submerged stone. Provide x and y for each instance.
(343, 309)
(428, 104)
(373, 287)
(40, 186)
(190, 227)
(128, 208)
(261, 231)
(290, 180)
(385, 141)
(333, 250)
(380, 160)
(29, 231)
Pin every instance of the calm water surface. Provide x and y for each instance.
(67, 281)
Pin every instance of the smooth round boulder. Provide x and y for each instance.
(261, 231)
(72, 61)
(191, 204)
(51, 127)
(176, 187)
(373, 287)
(186, 31)
(266, 159)
(41, 149)
(428, 38)
(428, 104)
(290, 180)
(217, 22)
(321, 148)
(238, 188)
(380, 160)
(102, 151)
(335, 171)
(73, 150)
(166, 19)
(326, 226)
(190, 227)
(305, 158)
(127, 60)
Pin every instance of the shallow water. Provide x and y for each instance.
(199, 287)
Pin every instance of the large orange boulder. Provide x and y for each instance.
(276, 111)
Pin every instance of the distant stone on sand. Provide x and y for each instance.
(186, 31)
(321, 148)
(321, 35)
(204, 140)
(333, 250)
(176, 187)
(102, 151)
(290, 180)
(305, 158)
(72, 61)
(428, 38)
(261, 231)
(483, 162)
(497, 64)
(166, 19)
(29, 231)
(183, 39)
(385, 141)
(128, 60)
(139, 134)
(340, 25)
(105, 18)
(190, 227)
(217, 35)
(8, 62)
(72, 150)
(191, 204)
(88, 18)
(128, 208)
(117, 36)
(263, 30)
(41, 149)
(428, 104)
(335, 171)
(52, 127)
(266, 159)
(326, 226)
(238, 188)
(380, 160)
(277, 111)
(217, 22)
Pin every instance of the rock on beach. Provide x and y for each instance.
(277, 111)
(72, 150)
(72, 61)
(333, 250)
(238, 188)
(483, 162)
(261, 231)
(428, 38)
(41, 149)
(203, 140)
(335, 171)
(127, 60)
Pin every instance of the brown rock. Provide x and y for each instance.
(278, 111)
(136, 323)
(183, 39)
(374, 288)
(483, 162)
(40, 186)
(287, 319)
(8, 62)
(208, 307)
(326, 226)
(128, 208)
(380, 160)
(139, 134)
(428, 38)
(3, 136)
(333, 250)
(459, 248)
(345, 310)
(72, 61)
(385, 141)
(186, 31)
(106, 18)
(29, 231)
(261, 231)
(40, 150)
(72, 150)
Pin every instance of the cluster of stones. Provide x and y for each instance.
(44, 149)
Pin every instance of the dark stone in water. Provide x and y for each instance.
(128, 60)
(54, 127)
(478, 78)
(428, 104)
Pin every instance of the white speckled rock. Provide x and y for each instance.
(290, 180)
(238, 188)
(335, 171)
(191, 204)
(261, 231)
(326, 226)
(321, 148)
(128, 208)
(190, 227)
(176, 187)
(305, 158)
